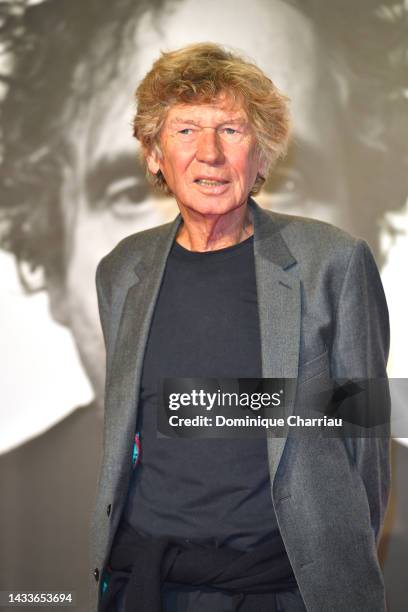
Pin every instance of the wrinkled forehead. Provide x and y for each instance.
(223, 108)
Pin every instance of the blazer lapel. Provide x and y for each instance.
(122, 392)
(278, 288)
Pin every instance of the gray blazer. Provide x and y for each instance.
(322, 313)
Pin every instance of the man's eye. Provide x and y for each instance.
(231, 135)
(186, 131)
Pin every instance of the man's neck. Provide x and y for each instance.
(213, 232)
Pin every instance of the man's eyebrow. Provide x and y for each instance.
(176, 120)
(109, 169)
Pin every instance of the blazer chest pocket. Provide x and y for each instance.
(314, 367)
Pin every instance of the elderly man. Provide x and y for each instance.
(72, 190)
(225, 291)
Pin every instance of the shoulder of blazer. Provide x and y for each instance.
(321, 251)
(295, 227)
(313, 241)
(124, 256)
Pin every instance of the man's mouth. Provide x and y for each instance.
(210, 182)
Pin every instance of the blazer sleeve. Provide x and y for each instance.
(360, 350)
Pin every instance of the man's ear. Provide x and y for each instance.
(153, 160)
(263, 165)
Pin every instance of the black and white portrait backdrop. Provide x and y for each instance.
(72, 186)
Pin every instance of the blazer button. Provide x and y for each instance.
(96, 574)
(108, 509)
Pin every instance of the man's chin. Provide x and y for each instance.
(212, 205)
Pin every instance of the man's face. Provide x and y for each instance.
(209, 156)
(105, 195)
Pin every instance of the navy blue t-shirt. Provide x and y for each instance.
(205, 325)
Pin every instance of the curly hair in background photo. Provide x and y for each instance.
(38, 40)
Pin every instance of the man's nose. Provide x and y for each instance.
(209, 147)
